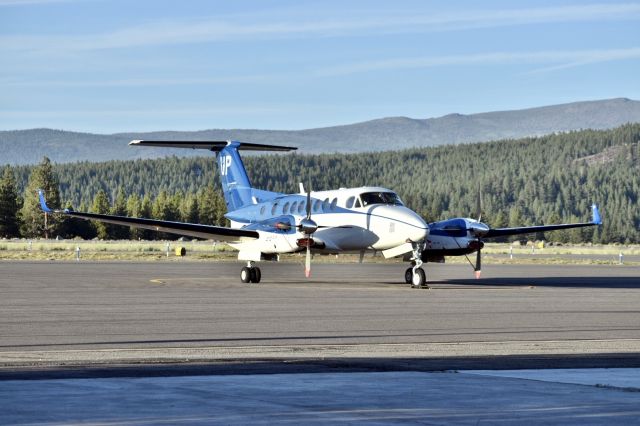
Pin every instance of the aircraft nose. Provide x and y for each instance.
(417, 229)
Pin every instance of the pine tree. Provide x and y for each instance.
(36, 223)
(9, 226)
(101, 206)
(134, 206)
(212, 207)
(146, 206)
(118, 232)
(189, 209)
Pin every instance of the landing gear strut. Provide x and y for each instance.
(250, 274)
(416, 275)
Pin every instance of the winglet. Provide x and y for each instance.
(596, 215)
(43, 202)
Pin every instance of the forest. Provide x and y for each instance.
(536, 180)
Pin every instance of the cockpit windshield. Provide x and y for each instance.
(369, 198)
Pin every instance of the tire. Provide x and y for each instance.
(419, 278)
(408, 275)
(245, 275)
(255, 275)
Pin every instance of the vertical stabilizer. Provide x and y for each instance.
(233, 176)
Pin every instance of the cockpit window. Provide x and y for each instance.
(369, 198)
(350, 202)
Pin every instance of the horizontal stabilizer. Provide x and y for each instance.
(215, 146)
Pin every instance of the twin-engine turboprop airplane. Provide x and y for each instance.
(266, 224)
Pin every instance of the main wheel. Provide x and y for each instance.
(419, 278)
(408, 275)
(255, 275)
(245, 275)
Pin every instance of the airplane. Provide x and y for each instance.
(266, 224)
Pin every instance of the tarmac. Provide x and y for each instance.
(182, 342)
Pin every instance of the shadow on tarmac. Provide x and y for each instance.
(292, 366)
(561, 282)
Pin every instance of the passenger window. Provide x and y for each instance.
(273, 209)
(301, 207)
(350, 201)
(294, 207)
(334, 203)
(325, 205)
(316, 206)
(262, 210)
(285, 208)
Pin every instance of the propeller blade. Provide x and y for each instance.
(309, 202)
(312, 226)
(478, 268)
(307, 263)
(479, 206)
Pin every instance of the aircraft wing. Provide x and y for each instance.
(218, 233)
(500, 232)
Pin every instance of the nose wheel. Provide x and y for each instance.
(250, 274)
(417, 278)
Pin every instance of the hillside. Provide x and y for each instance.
(528, 181)
(394, 133)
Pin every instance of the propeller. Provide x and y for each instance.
(308, 226)
(477, 270)
(479, 231)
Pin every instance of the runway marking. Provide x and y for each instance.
(157, 281)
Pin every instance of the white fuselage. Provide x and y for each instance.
(348, 219)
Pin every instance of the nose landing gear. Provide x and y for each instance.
(416, 275)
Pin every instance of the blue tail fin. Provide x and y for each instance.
(233, 176)
(235, 182)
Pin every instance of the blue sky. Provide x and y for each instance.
(107, 66)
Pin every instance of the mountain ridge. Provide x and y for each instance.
(382, 134)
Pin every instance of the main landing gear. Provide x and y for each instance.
(416, 275)
(250, 274)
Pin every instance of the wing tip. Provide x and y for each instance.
(43, 202)
(597, 219)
